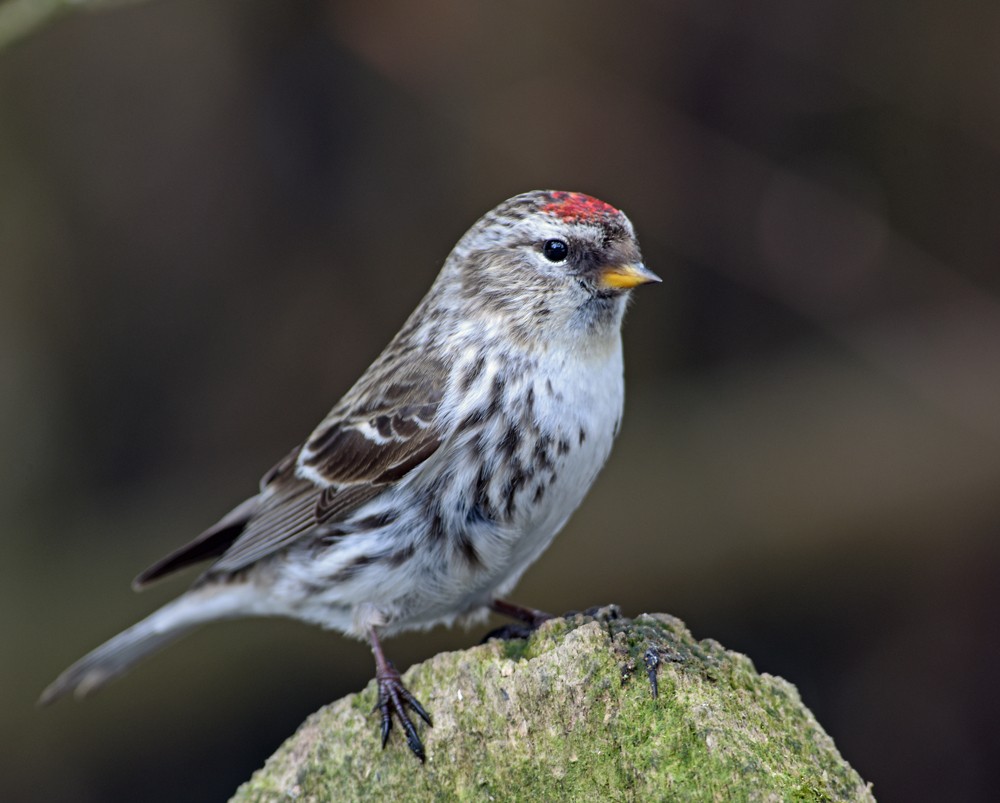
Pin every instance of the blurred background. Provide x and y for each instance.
(214, 215)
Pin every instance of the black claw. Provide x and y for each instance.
(509, 633)
(386, 724)
(413, 740)
(418, 708)
(652, 661)
(393, 698)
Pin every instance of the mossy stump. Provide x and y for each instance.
(569, 715)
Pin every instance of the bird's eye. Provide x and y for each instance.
(555, 250)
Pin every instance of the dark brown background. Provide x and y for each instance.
(214, 215)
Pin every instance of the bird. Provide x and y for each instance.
(448, 467)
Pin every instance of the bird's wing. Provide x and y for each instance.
(350, 467)
(382, 430)
(210, 544)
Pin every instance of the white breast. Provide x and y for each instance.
(566, 404)
(580, 403)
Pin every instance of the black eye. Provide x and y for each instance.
(555, 250)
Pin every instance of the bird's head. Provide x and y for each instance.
(549, 265)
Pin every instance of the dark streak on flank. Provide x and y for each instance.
(518, 478)
(482, 507)
(377, 521)
(541, 456)
(473, 419)
(468, 550)
(330, 535)
(528, 416)
(436, 531)
(401, 556)
(539, 492)
(473, 373)
(353, 568)
(552, 391)
(496, 396)
(510, 441)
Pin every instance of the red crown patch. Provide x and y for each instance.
(572, 206)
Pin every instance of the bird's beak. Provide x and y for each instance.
(625, 277)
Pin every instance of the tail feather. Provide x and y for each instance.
(164, 626)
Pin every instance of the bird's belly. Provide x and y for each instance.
(535, 486)
(569, 483)
(498, 497)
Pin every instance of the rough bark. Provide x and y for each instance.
(569, 714)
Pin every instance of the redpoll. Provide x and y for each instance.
(449, 466)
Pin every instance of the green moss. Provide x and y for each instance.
(515, 649)
(569, 714)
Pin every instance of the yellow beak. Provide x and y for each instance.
(625, 277)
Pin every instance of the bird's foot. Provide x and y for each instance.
(529, 620)
(510, 632)
(393, 700)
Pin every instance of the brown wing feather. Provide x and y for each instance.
(218, 538)
(343, 454)
(293, 505)
(210, 544)
(287, 510)
(381, 430)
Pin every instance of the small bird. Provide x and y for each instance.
(446, 470)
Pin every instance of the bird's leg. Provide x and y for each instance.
(393, 698)
(531, 617)
(530, 620)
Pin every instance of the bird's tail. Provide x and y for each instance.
(116, 656)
